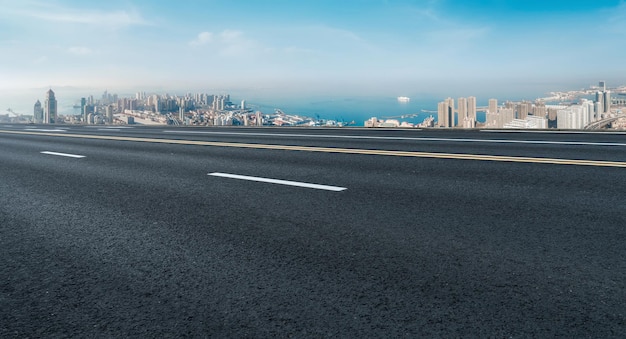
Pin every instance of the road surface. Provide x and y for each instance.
(244, 232)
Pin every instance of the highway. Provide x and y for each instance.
(297, 232)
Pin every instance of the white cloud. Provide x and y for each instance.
(202, 39)
(230, 43)
(60, 14)
(80, 51)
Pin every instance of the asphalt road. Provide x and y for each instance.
(139, 237)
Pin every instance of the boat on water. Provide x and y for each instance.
(404, 99)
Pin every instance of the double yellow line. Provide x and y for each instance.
(500, 158)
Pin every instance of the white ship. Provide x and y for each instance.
(404, 99)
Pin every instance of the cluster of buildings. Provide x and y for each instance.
(190, 109)
(529, 115)
(464, 116)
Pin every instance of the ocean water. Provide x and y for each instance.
(354, 110)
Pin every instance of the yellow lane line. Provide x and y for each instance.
(415, 154)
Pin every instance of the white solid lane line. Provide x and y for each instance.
(109, 127)
(280, 182)
(573, 131)
(63, 154)
(45, 130)
(498, 141)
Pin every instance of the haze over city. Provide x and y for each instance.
(346, 168)
(441, 48)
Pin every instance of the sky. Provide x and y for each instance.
(347, 47)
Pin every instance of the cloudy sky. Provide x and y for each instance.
(323, 45)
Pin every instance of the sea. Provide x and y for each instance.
(352, 110)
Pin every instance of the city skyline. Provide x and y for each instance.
(280, 47)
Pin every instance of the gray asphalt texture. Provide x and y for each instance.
(136, 240)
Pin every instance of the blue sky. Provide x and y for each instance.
(343, 47)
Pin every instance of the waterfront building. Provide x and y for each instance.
(522, 110)
(493, 106)
(540, 110)
(371, 122)
(471, 109)
(50, 108)
(462, 112)
(505, 116)
(450, 113)
(599, 109)
(552, 113)
(38, 113)
(600, 97)
(531, 122)
(445, 113)
(590, 110)
(574, 117)
(538, 122)
(607, 102)
(469, 123)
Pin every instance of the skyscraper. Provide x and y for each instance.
(471, 108)
(38, 113)
(462, 111)
(83, 104)
(445, 113)
(109, 113)
(493, 106)
(607, 102)
(50, 108)
(450, 113)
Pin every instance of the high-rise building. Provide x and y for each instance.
(573, 117)
(462, 102)
(602, 86)
(600, 97)
(243, 104)
(552, 113)
(109, 113)
(50, 108)
(83, 108)
(450, 113)
(522, 110)
(471, 108)
(445, 113)
(540, 110)
(38, 113)
(505, 116)
(493, 106)
(607, 102)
